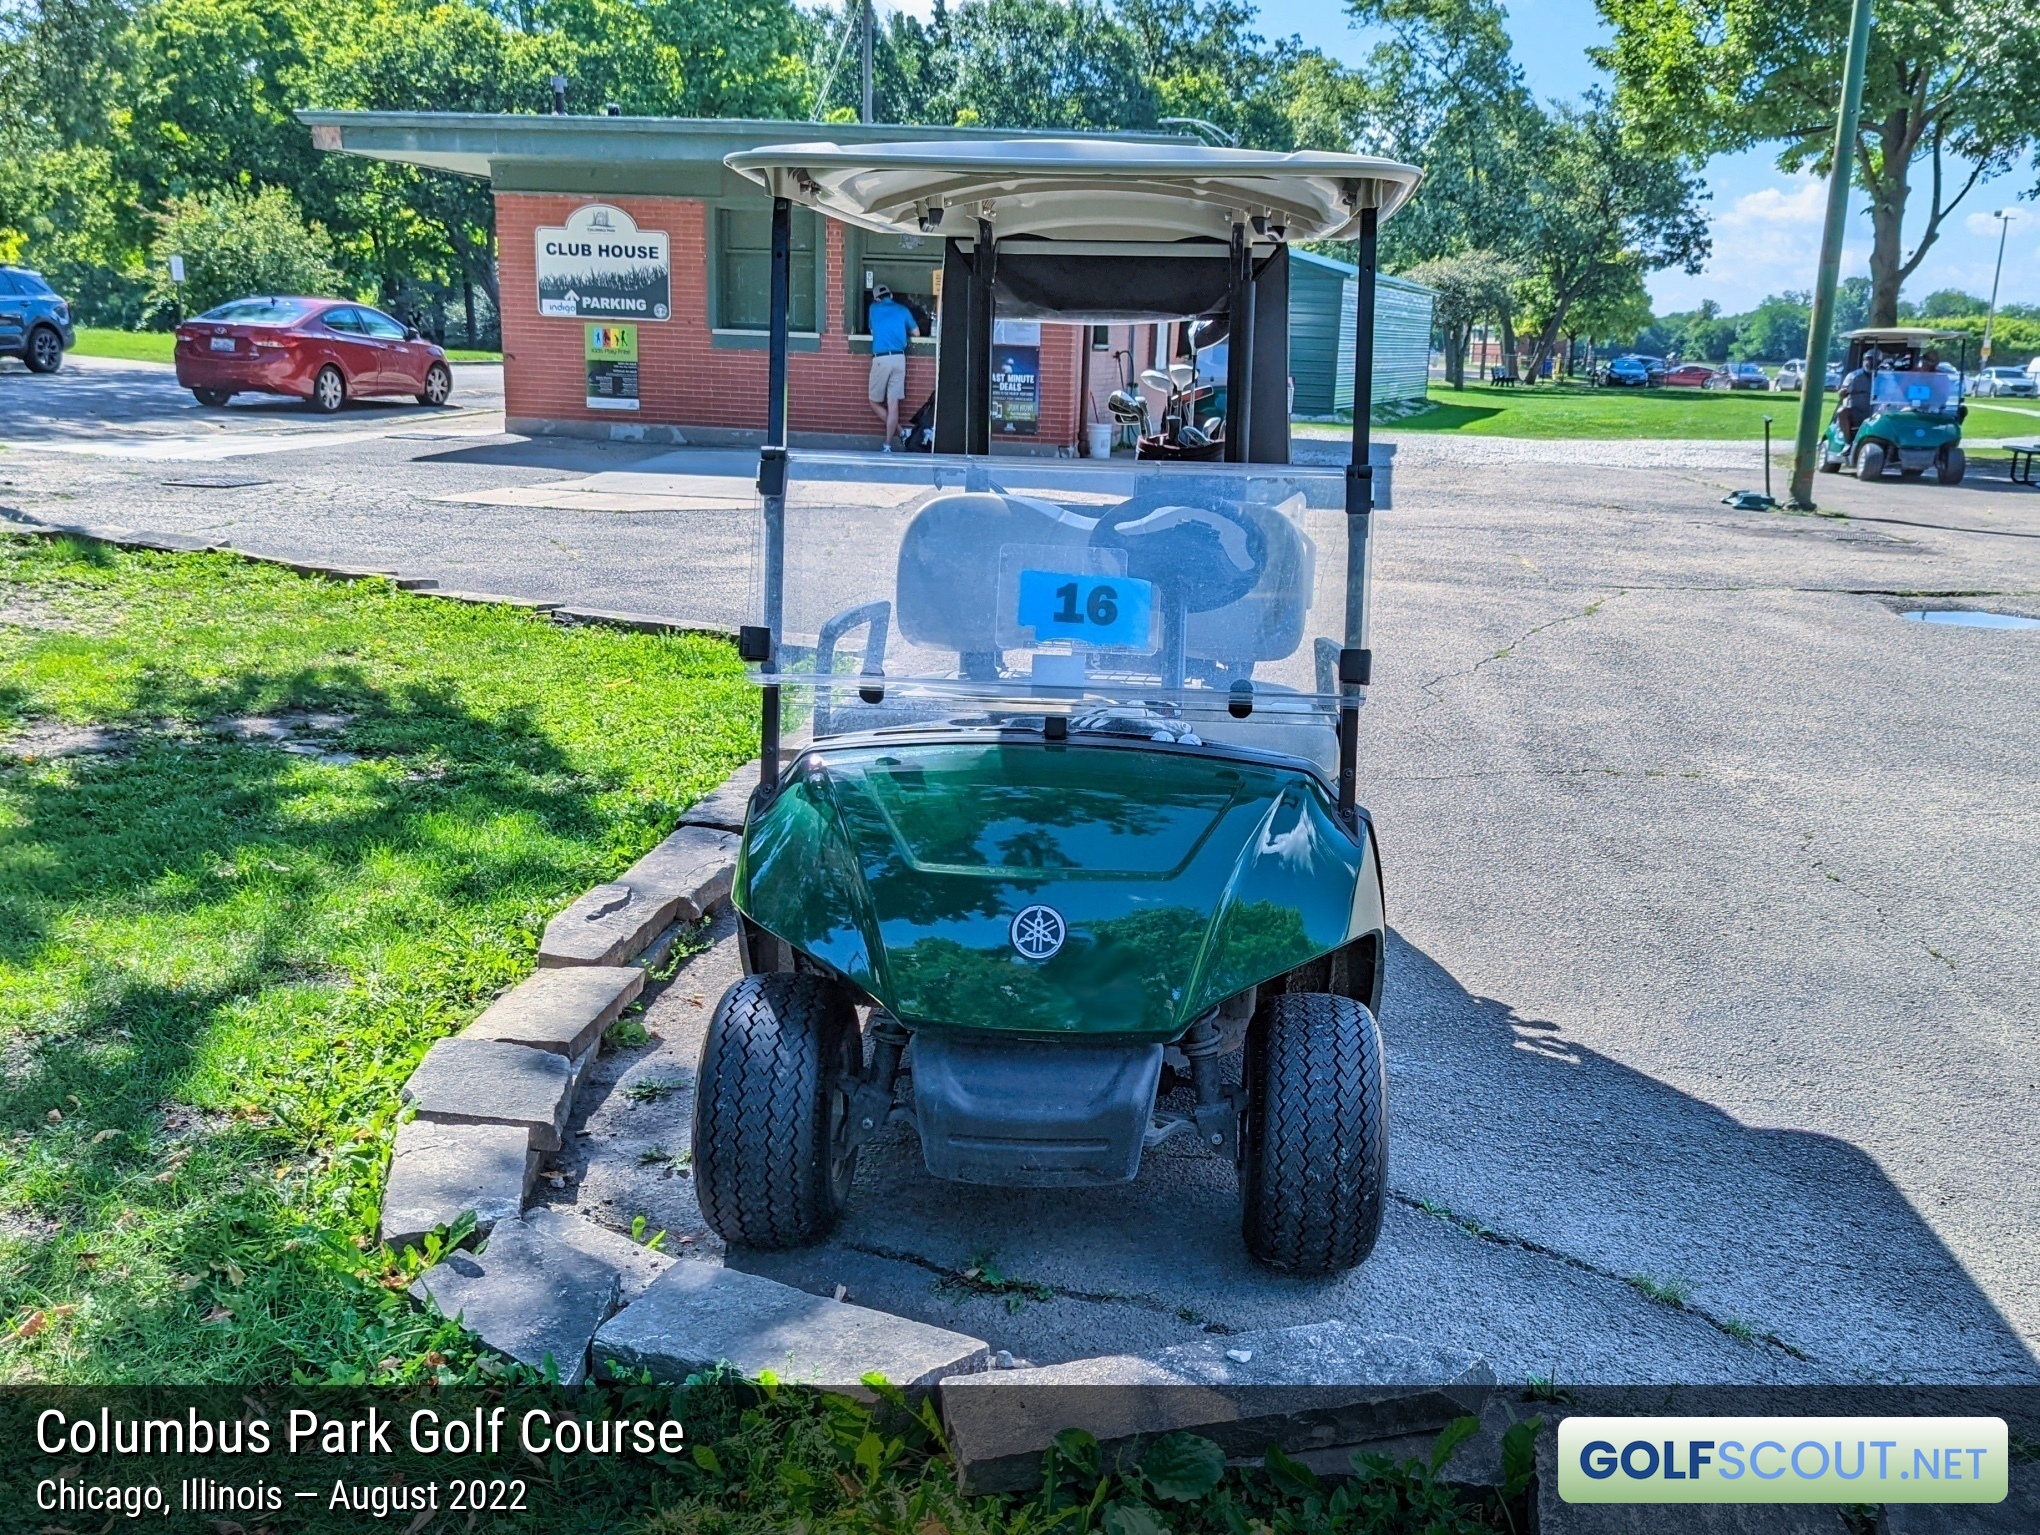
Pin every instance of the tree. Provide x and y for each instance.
(1042, 64)
(1946, 302)
(1774, 330)
(238, 243)
(1949, 83)
(1471, 288)
(1601, 205)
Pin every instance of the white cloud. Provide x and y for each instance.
(1798, 206)
(1985, 224)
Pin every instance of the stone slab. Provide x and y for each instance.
(2019, 1514)
(697, 1315)
(636, 1265)
(1308, 1388)
(563, 1011)
(725, 807)
(526, 1296)
(680, 880)
(642, 623)
(440, 1172)
(485, 1082)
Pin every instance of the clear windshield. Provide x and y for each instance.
(1931, 393)
(1176, 601)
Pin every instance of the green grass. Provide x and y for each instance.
(158, 345)
(219, 961)
(1574, 410)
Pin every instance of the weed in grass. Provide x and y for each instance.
(1667, 1292)
(1740, 1330)
(231, 957)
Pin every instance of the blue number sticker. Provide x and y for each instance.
(1108, 612)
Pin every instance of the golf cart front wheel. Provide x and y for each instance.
(1954, 463)
(1829, 463)
(1870, 461)
(1314, 1156)
(772, 1164)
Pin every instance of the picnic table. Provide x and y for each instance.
(2023, 454)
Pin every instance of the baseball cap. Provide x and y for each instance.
(880, 294)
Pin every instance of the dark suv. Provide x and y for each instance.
(35, 324)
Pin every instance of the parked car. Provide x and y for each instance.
(1833, 379)
(324, 351)
(1626, 373)
(1654, 366)
(2004, 381)
(1689, 375)
(35, 324)
(1739, 375)
(1790, 377)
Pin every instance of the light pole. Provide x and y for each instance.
(1813, 393)
(2004, 218)
(866, 26)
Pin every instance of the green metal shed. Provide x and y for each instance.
(1321, 336)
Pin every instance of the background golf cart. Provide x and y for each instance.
(1916, 408)
(1078, 810)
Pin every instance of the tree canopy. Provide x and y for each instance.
(1949, 92)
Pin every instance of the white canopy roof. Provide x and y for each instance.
(1081, 189)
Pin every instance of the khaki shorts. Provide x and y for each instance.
(888, 378)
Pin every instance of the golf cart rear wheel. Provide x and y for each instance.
(1829, 464)
(1314, 1156)
(772, 1166)
(1870, 461)
(1954, 463)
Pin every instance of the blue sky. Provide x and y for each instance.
(1766, 224)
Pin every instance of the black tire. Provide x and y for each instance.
(1314, 1149)
(1870, 461)
(438, 385)
(44, 352)
(212, 399)
(770, 1115)
(329, 391)
(1953, 465)
(1829, 464)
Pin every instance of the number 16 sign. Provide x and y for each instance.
(1101, 611)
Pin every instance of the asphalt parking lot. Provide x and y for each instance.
(1712, 880)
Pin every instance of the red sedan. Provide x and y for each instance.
(325, 351)
(1693, 375)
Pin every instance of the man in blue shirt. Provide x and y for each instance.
(890, 323)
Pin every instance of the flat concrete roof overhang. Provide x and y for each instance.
(605, 156)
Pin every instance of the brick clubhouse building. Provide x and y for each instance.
(633, 270)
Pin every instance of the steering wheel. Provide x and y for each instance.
(1198, 557)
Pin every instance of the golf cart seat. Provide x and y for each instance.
(948, 574)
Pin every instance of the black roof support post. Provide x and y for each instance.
(1356, 661)
(772, 491)
(984, 271)
(1239, 352)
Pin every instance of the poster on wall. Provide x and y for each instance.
(601, 266)
(1016, 390)
(612, 367)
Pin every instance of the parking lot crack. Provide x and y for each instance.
(965, 1282)
(1507, 650)
(1674, 1298)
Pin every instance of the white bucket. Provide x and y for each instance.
(1101, 438)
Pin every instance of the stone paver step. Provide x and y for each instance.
(1303, 1388)
(563, 1011)
(527, 1296)
(485, 1082)
(697, 1315)
(677, 881)
(439, 1172)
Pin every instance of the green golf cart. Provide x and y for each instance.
(1916, 410)
(1056, 856)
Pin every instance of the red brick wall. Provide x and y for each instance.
(684, 380)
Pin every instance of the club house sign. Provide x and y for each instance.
(601, 266)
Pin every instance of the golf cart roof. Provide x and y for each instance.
(1903, 335)
(1082, 189)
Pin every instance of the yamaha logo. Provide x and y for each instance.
(1038, 932)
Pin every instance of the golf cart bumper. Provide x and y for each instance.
(1918, 458)
(1020, 1113)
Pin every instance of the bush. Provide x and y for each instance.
(235, 244)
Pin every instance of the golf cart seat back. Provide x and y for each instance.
(1240, 571)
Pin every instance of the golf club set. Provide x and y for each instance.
(1181, 433)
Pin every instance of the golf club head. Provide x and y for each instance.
(1182, 374)
(1213, 427)
(1195, 436)
(1155, 378)
(1127, 406)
